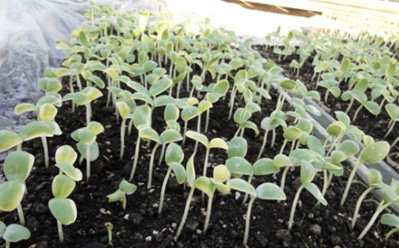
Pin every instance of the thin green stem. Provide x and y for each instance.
(262, 148)
(151, 165)
(358, 204)
(72, 91)
(184, 132)
(60, 232)
(246, 194)
(357, 112)
(21, 214)
(350, 179)
(390, 127)
(380, 208)
(87, 113)
(185, 213)
(273, 137)
(294, 203)
(283, 146)
(207, 120)
(123, 130)
(136, 157)
(87, 162)
(232, 96)
(206, 161)
(325, 182)
(8, 244)
(208, 212)
(283, 176)
(165, 182)
(162, 154)
(45, 149)
(247, 221)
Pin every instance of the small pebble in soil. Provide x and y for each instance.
(331, 229)
(335, 240)
(283, 234)
(263, 242)
(310, 216)
(233, 234)
(148, 238)
(138, 236)
(192, 225)
(41, 244)
(135, 218)
(315, 229)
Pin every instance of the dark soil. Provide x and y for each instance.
(376, 126)
(140, 226)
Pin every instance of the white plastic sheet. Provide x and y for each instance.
(28, 29)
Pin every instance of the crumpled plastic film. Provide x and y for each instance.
(28, 29)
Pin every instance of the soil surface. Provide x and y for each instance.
(140, 226)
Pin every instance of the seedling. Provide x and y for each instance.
(142, 118)
(291, 134)
(390, 220)
(190, 180)
(42, 129)
(239, 84)
(214, 143)
(13, 233)
(174, 156)
(18, 166)
(390, 197)
(166, 137)
(265, 191)
(371, 154)
(85, 97)
(208, 185)
(125, 112)
(375, 179)
(218, 90)
(109, 227)
(188, 113)
(307, 175)
(125, 188)
(87, 144)
(393, 112)
(277, 118)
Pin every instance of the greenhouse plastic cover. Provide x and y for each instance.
(29, 29)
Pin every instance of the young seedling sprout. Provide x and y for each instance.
(389, 198)
(190, 180)
(188, 113)
(109, 227)
(13, 233)
(291, 134)
(87, 144)
(173, 157)
(208, 185)
(42, 129)
(375, 179)
(277, 118)
(18, 166)
(84, 97)
(307, 175)
(62, 208)
(166, 137)
(125, 188)
(171, 115)
(125, 112)
(141, 118)
(219, 90)
(265, 191)
(371, 154)
(390, 220)
(214, 143)
(393, 112)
